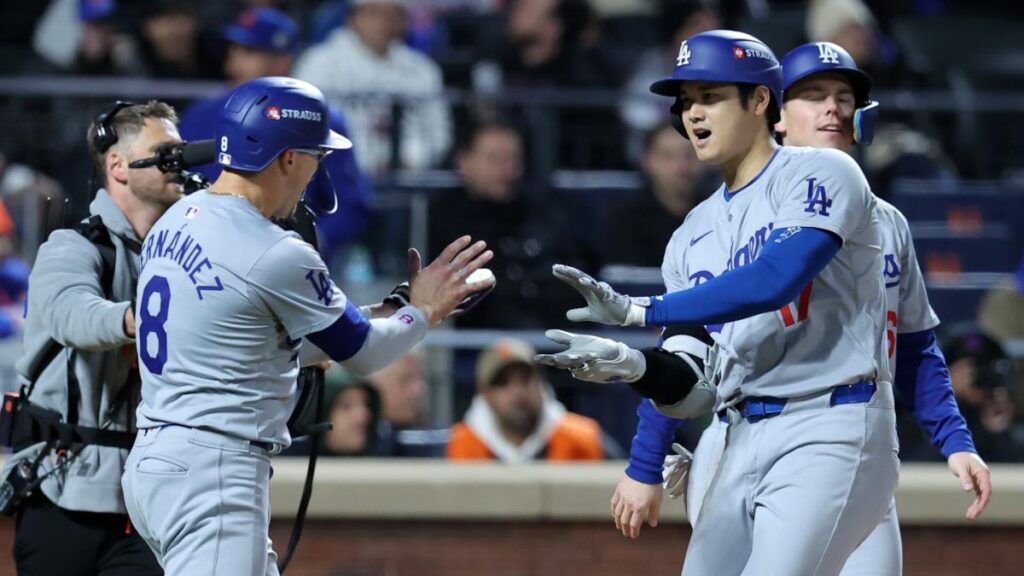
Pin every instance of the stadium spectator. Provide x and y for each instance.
(173, 44)
(899, 149)
(674, 182)
(557, 44)
(981, 376)
(1001, 314)
(262, 43)
(367, 59)
(527, 236)
(34, 202)
(515, 417)
(352, 406)
(82, 37)
(641, 110)
(851, 24)
(402, 388)
(354, 410)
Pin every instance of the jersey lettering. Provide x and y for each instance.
(185, 251)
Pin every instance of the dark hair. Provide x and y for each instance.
(576, 16)
(126, 123)
(471, 135)
(673, 14)
(772, 115)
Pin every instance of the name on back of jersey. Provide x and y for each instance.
(187, 253)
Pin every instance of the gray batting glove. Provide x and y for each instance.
(594, 359)
(604, 304)
(676, 470)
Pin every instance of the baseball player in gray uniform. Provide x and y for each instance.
(782, 266)
(827, 105)
(227, 303)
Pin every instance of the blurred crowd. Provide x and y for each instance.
(526, 123)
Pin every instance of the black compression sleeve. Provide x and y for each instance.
(695, 330)
(667, 379)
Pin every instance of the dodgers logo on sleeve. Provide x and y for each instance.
(892, 271)
(818, 201)
(322, 285)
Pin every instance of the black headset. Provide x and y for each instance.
(106, 136)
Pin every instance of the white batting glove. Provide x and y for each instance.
(604, 304)
(594, 359)
(676, 470)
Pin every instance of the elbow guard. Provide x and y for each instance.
(678, 378)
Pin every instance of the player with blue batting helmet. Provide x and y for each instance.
(721, 56)
(267, 116)
(819, 57)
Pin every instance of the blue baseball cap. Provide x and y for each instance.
(816, 57)
(264, 29)
(723, 56)
(93, 10)
(266, 116)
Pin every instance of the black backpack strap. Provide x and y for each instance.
(47, 424)
(96, 232)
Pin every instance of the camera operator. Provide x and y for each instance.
(80, 359)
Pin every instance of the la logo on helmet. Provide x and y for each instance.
(827, 54)
(684, 55)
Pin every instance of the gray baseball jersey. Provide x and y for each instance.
(224, 298)
(907, 311)
(907, 307)
(833, 333)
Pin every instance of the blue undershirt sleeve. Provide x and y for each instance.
(654, 434)
(345, 337)
(922, 379)
(790, 259)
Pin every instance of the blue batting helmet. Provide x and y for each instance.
(816, 57)
(266, 116)
(724, 56)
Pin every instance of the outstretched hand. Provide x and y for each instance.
(594, 359)
(440, 287)
(604, 304)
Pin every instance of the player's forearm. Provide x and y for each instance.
(377, 311)
(922, 379)
(388, 340)
(785, 266)
(654, 433)
(666, 379)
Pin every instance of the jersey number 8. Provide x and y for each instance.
(151, 325)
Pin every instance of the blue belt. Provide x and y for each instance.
(757, 408)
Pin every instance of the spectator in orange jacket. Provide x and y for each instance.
(516, 418)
